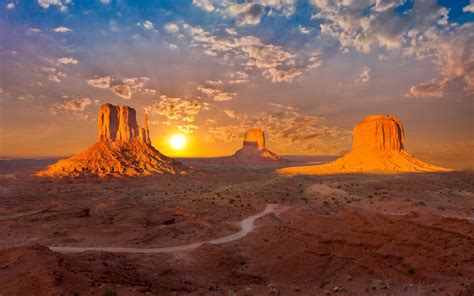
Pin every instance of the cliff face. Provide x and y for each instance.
(378, 147)
(378, 133)
(123, 149)
(255, 137)
(253, 150)
(119, 123)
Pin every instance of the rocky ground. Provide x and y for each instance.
(405, 234)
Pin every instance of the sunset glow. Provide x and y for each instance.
(178, 142)
(304, 71)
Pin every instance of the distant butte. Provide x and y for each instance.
(123, 149)
(378, 146)
(254, 150)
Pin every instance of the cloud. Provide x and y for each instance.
(453, 54)
(204, 4)
(246, 13)
(364, 75)
(187, 128)
(34, 30)
(363, 25)
(62, 30)
(123, 88)
(469, 8)
(181, 109)
(67, 61)
(303, 30)
(54, 78)
(148, 25)
(230, 113)
(61, 4)
(216, 94)
(238, 77)
(172, 28)
(277, 63)
(75, 106)
(10, 5)
(100, 82)
(105, 2)
(288, 131)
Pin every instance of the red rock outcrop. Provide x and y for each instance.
(123, 149)
(254, 150)
(378, 147)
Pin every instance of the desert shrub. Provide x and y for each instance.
(109, 292)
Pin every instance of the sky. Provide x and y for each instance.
(305, 71)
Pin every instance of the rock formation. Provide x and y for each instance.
(254, 150)
(123, 149)
(378, 146)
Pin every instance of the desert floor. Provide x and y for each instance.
(407, 234)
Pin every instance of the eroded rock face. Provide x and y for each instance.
(254, 150)
(255, 137)
(123, 149)
(378, 147)
(378, 133)
(119, 123)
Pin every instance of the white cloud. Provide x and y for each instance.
(187, 128)
(230, 113)
(105, 2)
(364, 75)
(204, 4)
(125, 88)
(453, 54)
(238, 77)
(469, 8)
(34, 30)
(247, 12)
(277, 63)
(62, 30)
(148, 25)
(54, 78)
(10, 5)
(100, 82)
(74, 105)
(217, 94)
(61, 4)
(177, 108)
(303, 30)
(67, 61)
(122, 90)
(172, 28)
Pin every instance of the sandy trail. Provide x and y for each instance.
(247, 225)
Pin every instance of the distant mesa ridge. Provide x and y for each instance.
(378, 146)
(123, 149)
(254, 150)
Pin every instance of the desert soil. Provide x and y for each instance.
(405, 234)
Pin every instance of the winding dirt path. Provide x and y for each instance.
(247, 225)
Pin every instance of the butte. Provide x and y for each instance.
(254, 151)
(377, 147)
(123, 149)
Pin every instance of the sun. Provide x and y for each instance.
(178, 142)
